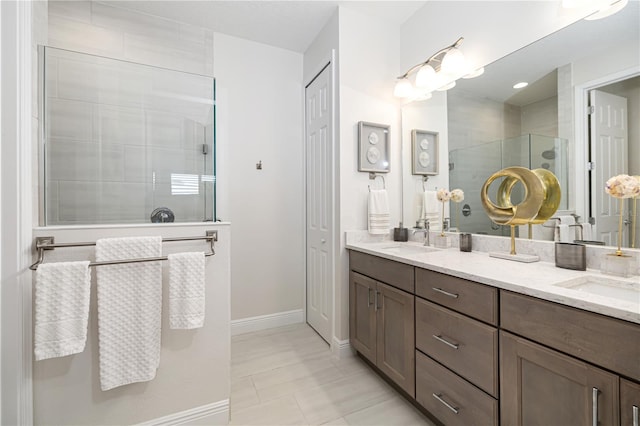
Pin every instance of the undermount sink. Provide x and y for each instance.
(407, 249)
(628, 291)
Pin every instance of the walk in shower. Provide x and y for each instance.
(120, 140)
(470, 167)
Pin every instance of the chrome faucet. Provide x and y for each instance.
(424, 230)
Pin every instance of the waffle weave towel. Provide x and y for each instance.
(379, 219)
(186, 290)
(129, 311)
(61, 309)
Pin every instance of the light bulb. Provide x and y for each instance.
(403, 88)
(453, 62)
(425, 75)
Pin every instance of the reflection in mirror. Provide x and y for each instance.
(490, 125)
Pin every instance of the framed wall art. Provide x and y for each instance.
(373, 147)
(424, 153)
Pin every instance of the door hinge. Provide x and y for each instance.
(591, 165)
(591, 109)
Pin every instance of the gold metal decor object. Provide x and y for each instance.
(541, 199)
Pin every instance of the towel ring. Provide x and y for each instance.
(372, 176)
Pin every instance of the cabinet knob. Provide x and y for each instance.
(323, 241)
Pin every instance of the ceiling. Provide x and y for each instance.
(291, 25)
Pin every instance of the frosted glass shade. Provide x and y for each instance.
(453, 62)
(425, 76)
(403, 88)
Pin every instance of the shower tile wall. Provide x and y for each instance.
(101, 135)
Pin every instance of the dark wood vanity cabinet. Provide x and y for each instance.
(540, 386)
(381, 324)
(471, 354)
(565, 366)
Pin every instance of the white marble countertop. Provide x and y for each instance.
(539, 279)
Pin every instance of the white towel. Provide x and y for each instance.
(129, 311)
(587, 231)
(61, 309)
(186, 290)
(379, 218)
(431, 206)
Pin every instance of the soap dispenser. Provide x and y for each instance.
(400, 233)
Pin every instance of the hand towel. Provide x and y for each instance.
(186, 290)
(587, 231)
(431, 206)
(129, 310)
(61, 309)
(379, 218)
(564, 234)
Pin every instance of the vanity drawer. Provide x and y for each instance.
(388, 271)
(610, 343)
(443, 393)
(476, 300)
(466, 346)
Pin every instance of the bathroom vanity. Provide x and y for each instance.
(477, 340)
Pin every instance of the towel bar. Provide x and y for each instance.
(47, 243)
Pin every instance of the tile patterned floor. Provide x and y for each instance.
(287, 376)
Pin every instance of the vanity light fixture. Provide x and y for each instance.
(439, 72)
(520, 85)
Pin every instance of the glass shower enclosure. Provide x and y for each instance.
(470, 167)
(120, 140)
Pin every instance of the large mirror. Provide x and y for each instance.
(484, 124)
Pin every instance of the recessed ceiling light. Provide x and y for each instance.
(520, 85)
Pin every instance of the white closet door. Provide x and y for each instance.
(609, 144)
(320, 231)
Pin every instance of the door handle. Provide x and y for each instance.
(636, 416)
(594, 406)
(323, 241)
(376, 301)
(445, 403)
(369, 297)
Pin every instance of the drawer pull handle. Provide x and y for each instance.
(376, 301)
(594, 406)
(636, 416)
(446, 293)
(369, 298)
(446, 342)
(445, 403)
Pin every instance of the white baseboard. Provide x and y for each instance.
(263, 322)
(341, 348)
(216, 413)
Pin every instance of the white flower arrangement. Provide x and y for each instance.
(457, 195)
(443, 195)
(623, 186)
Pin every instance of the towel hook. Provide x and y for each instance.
(372, 176)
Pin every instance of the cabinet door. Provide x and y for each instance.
(540, 386)
(362, 315)
(396, 337)
(629, 403)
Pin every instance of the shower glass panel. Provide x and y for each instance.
(470, 167)
(121, 139)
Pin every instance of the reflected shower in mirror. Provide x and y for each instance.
(122, 139)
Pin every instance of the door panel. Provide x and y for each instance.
(362, 315)
(629, 403)
(396, 337)
(609, 144)
(320, 253)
